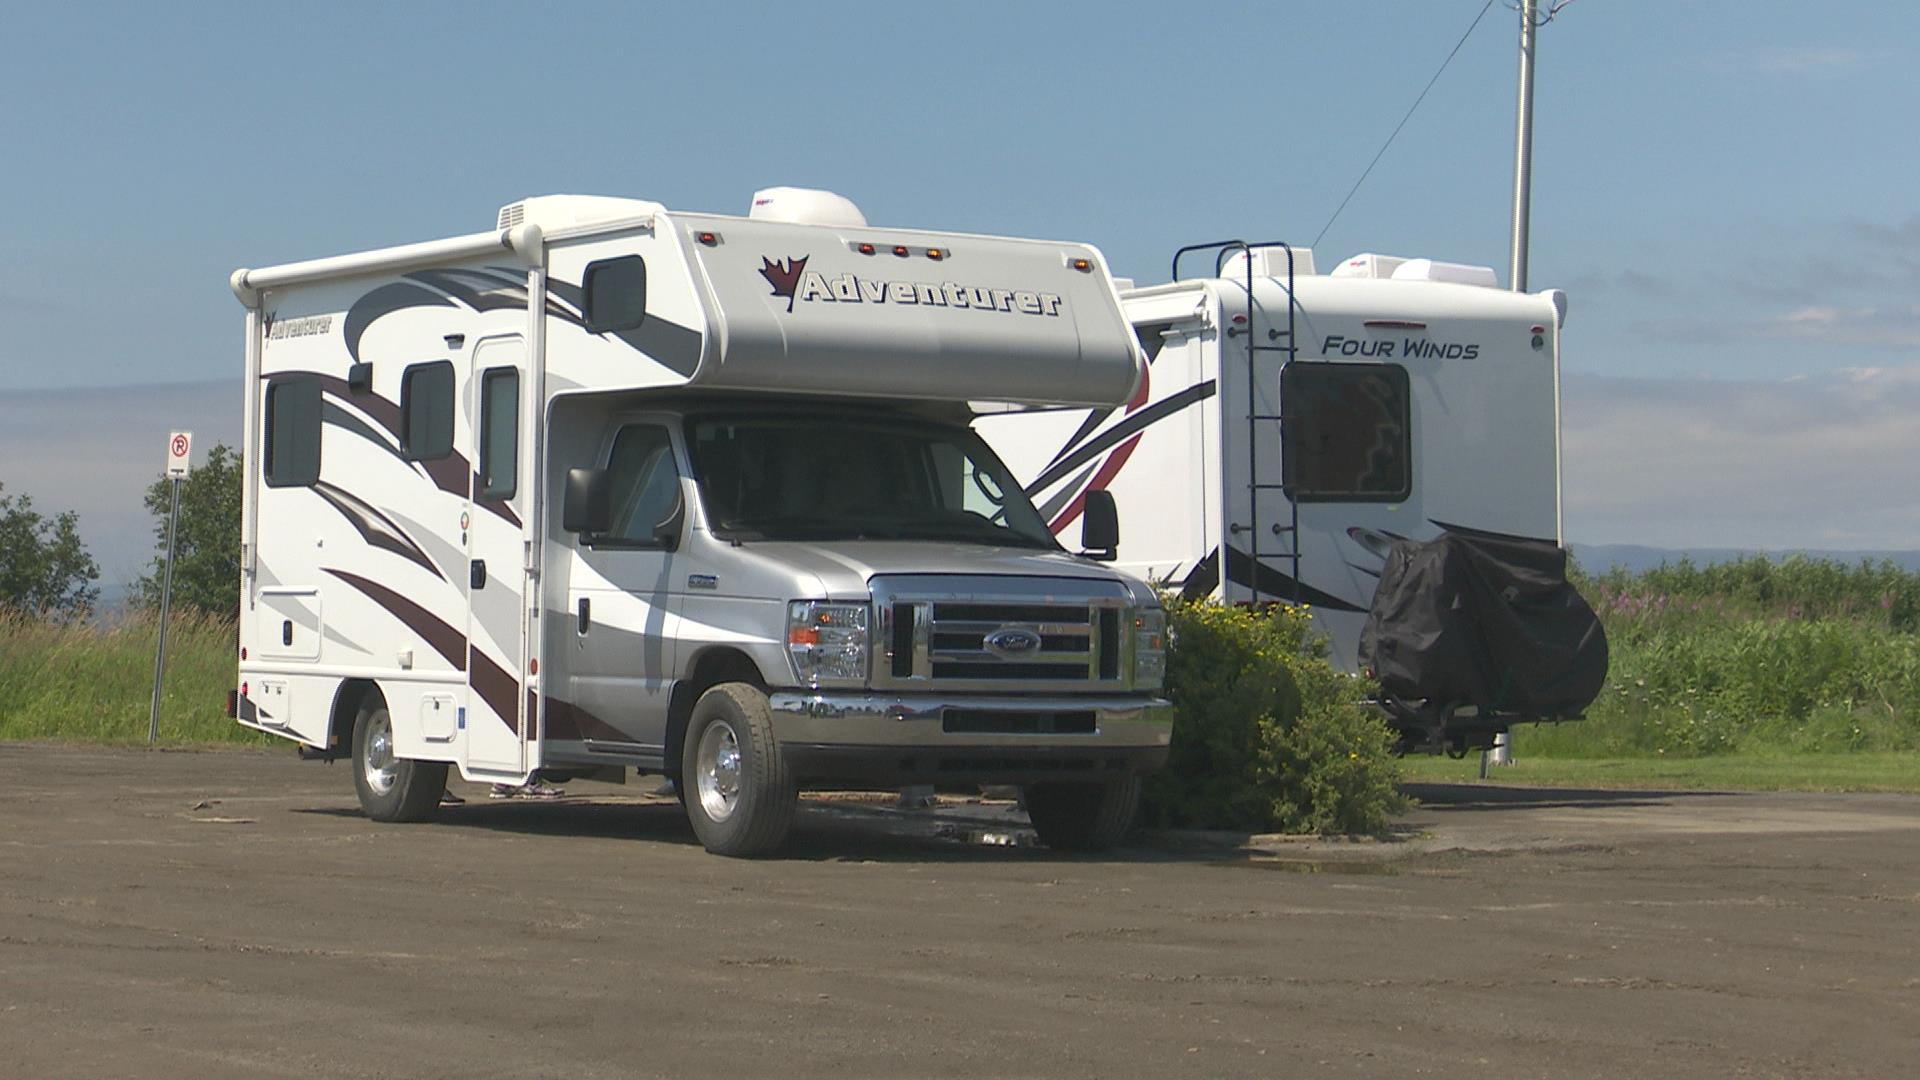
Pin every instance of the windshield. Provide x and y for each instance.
(849, 477)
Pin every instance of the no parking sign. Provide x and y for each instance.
(179, 450)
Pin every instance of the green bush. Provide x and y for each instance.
(1267, 737)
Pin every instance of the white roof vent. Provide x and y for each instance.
(1400, 268)
(555, 212)
(1368, 265)
(806, 206)
(1434, 270)
(1267, 262)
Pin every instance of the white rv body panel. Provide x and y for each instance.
(1480, 369)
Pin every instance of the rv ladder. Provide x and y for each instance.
(1289, 352)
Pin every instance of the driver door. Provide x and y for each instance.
(622, 599)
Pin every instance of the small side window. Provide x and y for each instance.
(499, 433)
(426, 411)
(292, 432)
(616, 291)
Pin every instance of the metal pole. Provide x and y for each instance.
(1522, 205)
(1523, 149)
(166, 605)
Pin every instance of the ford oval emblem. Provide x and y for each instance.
(1012, 641)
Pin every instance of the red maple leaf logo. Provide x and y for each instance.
(783, 276)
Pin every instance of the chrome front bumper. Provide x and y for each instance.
(857, 718)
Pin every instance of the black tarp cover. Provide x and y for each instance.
(1486, 621)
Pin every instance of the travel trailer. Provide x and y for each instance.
(612, 488)
(1295, 426)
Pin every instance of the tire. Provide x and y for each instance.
(1084, 816)
(391, 788)
(736, 787)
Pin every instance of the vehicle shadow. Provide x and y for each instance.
(824, 831)
(1496, 797)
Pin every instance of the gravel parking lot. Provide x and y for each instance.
(230, 914)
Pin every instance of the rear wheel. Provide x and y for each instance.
(391, 788)
(736, 787)
(1083, 816)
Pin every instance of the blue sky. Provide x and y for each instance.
(1723, 188)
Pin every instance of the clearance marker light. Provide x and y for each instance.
(707, 238)
(1082, 265)
(936, 254)
(865, 249)
(900, 250)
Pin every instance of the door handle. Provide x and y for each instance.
(586, 614)
(477, 574)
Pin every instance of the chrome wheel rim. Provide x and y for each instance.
(717, 774)
(382, 769)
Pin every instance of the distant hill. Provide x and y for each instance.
(1598, 558)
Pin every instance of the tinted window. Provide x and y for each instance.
(426, 411)
(616, 294)
(644, 483)
(1348, 434)
(293, 432)
(499, 433)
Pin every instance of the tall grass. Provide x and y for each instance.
(1754, 656)
(71, 680)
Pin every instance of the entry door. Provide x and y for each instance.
(497, 721)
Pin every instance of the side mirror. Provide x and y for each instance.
(1100, 526)
(666, 532)
(589, 502)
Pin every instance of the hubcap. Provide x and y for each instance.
(381, 767)
(718, 775)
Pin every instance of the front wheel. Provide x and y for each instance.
(1083, 816)
(391, 788)
(739, 795)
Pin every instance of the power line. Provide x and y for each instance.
(1403, 121)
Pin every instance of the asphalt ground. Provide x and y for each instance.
(231, 914)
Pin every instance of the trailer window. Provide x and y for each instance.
(1348, 432)
(426, 411)
(499, 433)
(293, 432)
(616, 292)
(645, 484)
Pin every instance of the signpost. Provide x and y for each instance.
(179, 455)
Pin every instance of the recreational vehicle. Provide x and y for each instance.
(611, 488)
(1295, 426)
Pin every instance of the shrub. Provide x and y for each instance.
(1267, 735)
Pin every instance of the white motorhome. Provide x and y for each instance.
(1294, 424)
(610, 487)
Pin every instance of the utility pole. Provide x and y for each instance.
(1530, 23)
(1523, 147)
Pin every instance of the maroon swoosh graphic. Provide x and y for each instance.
(442, 638)
(566, 720)
(494, 685)
(1109, 468)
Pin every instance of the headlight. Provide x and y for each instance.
(1149, 649)
(827, 642)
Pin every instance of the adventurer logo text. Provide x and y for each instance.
(792, 280)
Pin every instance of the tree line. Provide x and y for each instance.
(46, 571)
